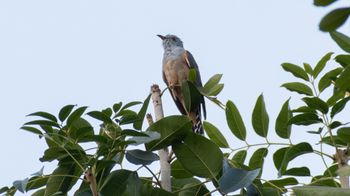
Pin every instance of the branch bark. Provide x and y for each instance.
(90, 178)
(342, 158)
(164, 153)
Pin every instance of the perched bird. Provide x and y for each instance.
(176, 65)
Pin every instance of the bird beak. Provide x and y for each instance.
(161, 37)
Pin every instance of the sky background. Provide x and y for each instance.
(54, 53)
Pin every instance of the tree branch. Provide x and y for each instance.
(90, 178)
(342, 158)
(164, 153)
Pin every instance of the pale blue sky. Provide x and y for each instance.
(97, 53)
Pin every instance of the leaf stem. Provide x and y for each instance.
(189, 187)
(74, 159)
(158, 182)
(260, 144)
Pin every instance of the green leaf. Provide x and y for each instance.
(339, 106)
(343, 82)
(281, 183)
(304, 109)
(334, 19)
(335, 124)
(337, 95)
(140, 157)
(334, 141)
(343, 59)
(324, 181)
(61, 179)
(320, 191)
(282, 127)
(130, 132)
(43, 123)
(44, 115)
(4, 189)
(240, 156)
(142, 113)
(316, 132)
(327, 79)
(215, 135)
(298, 87)
(128, 117)
(257, 159)
(212, 82)
(134, 185)
(234, 121)
(305, 119)
(295, 70)
(178, 184)
(316, 103)
(130, 104)
(233, 179)
(65, 111)
(108, 112)
(260, 118)
(39, 192)
(154, 191)
(80, 129)
(342, 40)
(308, 68)
(331, 171)
(94, 138)
(215, 90)
(344, 134)
(193, 156)
(36, 182)
(117, 106)
(270, 191)
(278, 158)
(119, 181)
(321, 64)
(177, 170)
(59, 153)
(33, 130)
(323, 2)
(193, 190)
(172, 129)
(75, 115)
(188, 187)
(141, 139)
(192, 75)
(283, 156)
(100, 116)
(192, 96)
(297, 171)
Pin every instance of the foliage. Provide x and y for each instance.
(332, 21)
(199, 161)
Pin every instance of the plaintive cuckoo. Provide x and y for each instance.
(176, 65)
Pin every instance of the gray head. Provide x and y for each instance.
(171, 41)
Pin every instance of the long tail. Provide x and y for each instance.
(197, 126)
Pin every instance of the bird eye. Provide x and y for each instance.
(173, 39)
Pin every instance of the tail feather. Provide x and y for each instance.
(197, 126)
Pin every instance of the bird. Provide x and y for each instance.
(177, 63)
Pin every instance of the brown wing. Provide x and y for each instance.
(193, 65)
(173, 95)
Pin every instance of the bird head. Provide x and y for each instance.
(171, 41)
